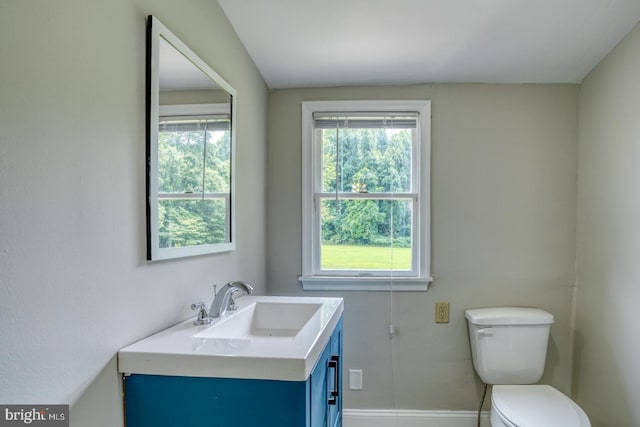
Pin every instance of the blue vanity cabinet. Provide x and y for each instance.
(173, 401)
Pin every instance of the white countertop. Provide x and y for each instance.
(185, 349)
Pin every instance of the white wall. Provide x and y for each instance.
(607, 350)
(74, 283)
(504, 165)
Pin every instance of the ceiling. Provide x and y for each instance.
(297, 43)
(177, 72)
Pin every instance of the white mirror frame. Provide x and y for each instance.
(156, 30)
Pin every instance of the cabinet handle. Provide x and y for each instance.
(334, 363)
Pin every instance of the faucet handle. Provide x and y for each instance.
(232, 304)
(198, 306)
(203, 317)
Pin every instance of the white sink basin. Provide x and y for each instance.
(276, 338)
(267, 320)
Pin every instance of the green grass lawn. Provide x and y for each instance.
(365, 257)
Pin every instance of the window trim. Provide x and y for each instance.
(420, 279)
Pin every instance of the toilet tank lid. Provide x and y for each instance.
(508, 316)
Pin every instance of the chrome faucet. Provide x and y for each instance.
(223, 299)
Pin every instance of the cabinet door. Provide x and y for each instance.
(319, 390)
(326, 384)
(334, 378)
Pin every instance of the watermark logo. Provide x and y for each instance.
(34, 415)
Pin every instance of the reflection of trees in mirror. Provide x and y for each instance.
(192, 222)
(180, 160)
(194, 185)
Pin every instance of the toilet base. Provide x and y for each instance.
(534, 405)
(496, 421)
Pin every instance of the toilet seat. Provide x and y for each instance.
(536, 406)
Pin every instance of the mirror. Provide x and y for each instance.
(190, 151)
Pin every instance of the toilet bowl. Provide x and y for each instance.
(534, 406)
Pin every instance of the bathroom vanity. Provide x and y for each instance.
(276, 361)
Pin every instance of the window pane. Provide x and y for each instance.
(192, 222)
(366, 160)
(217, 178)
(181, 155)
(365, 234)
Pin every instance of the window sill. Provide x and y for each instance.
(341, 283)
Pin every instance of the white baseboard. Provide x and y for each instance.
(411, 418)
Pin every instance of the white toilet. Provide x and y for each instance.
(509, 348)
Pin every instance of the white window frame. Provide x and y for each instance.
(313, 278)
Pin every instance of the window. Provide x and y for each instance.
(365, 195)
(194, 175)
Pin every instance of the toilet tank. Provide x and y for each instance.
(509, 344)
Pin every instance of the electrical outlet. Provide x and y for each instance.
(355, 379)
(442, 312)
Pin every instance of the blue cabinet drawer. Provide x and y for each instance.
(188, 401)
